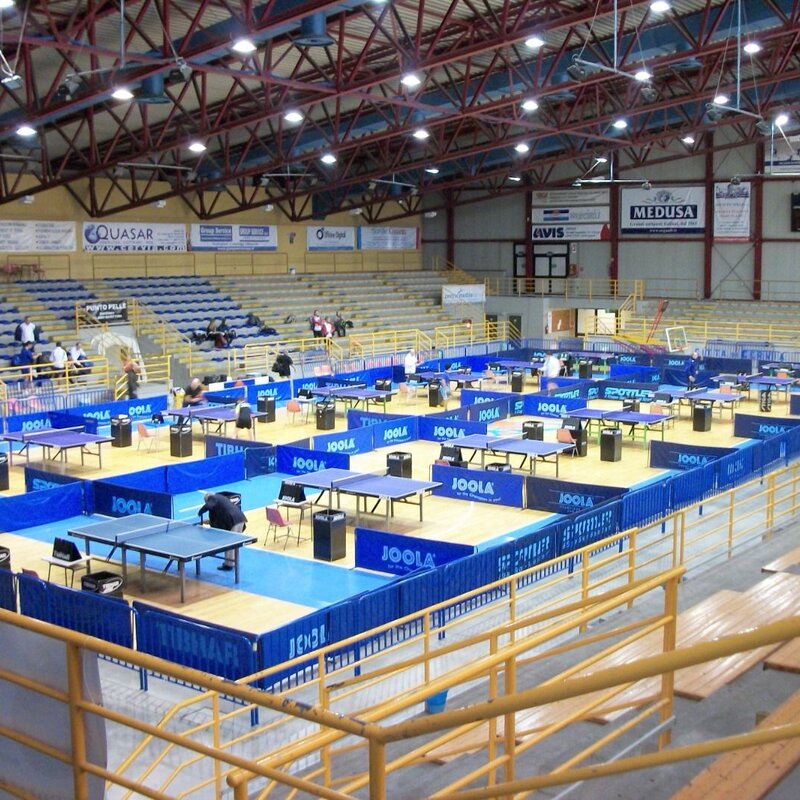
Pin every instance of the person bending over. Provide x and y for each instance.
(226, 515)
(193, 393)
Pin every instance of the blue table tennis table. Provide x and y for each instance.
(353, 396)
(174, 540)
(705, 397)
(776, 384)
(635, 419)
(460, 379)
(531, 450)
(60, 440)
(387, 488)
(218, 417)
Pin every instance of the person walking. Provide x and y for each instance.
(225, 515)
(131, 370)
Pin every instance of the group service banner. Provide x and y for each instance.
(205, 236)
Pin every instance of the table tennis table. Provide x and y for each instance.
(609, 418)
(776, 384)
(692, 397)
(460, 379)
(387, 488)
(353, 396)
(216, 417)
(531, 450)
(60, 440)
(174, 540)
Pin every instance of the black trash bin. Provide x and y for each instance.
(121, 431)
(585, 369)
(533, 430)
(107, 583)
(765, 400)
(330, 543)
(398, 464)
(180, 441)
(434, 394)
(701, 417)
(266, 405)
(610, 444)
(326, 416)
(3, 471)
(5, 558)
(517, 380)
(384, 385)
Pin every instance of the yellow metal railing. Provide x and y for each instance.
(567, 288)
(154, 369)
(703, 330)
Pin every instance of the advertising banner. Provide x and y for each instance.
(441, 430)
(667, 209)
(388, 238)
(580, 215)
(120, 237)
(108, 311)
(466, 293)
(25, 236)
(399, 555)
(731, 212)
(584, 196)
(565, 232)
(206, 236)
(610, 390)
(751, 426)
(357, 440)
(563, 497)
(542, 405)
(116, 500)
(328, 237)
(391, 432)
(499, 488)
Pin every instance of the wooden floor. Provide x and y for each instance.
(447, 519)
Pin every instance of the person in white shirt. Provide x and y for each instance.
(27, 331)
(410, 363)
(77, 357)
(58, 358)
(552, 366)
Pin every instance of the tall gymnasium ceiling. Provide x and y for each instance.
(340, 65)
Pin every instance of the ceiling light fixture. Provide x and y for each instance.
(197, 147)
(721, 99)
(688, 139)
(12, 82)
(600, 160)
(421, 134)
(243, 46)
(529, 105)
(751, 48)
(647, 186)
(620, 124)
(411, 80)
(328, 158)
(534, 42)
(432, 170)
(780, 120)
(293, 115)
(26, 130)
(522, 147)
(660, 6)
(515, 178)
(642, 75)
(6, 4)
(122, 93)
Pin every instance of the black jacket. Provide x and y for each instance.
(222, 513)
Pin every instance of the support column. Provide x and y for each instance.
(758, 222)
(450, 235)
(708, 240)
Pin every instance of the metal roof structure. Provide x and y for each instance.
(340, 65)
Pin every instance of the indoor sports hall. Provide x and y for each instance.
(399, 400)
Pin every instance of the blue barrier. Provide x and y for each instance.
(454, 413)
(468, 574)
(752, 426)
(691, 486)
(299, 461)
(116, 500)
(8, 590)
(32, 596)
(435, 429)
(674, 455)
(543, 405)
(136, 409)
(589, 527)
(420, 590)
(565, 497)
(352, 442)
(154, 478)
(61, 419)
(280, 390)
(499, 488)
(38, 508)
(532, 549)
(191, 475)
(611, 390)
(400, 555)
(108, 618)
(260, 461)
(363, 419)
(394, 431)
(38, 479)
(210, 648)
(643, 506)
(794, 403)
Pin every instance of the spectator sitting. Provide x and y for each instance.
(226, 331)
(78, 363)
(193, 393)
(214, 334)
(58, 358)
(339, 324)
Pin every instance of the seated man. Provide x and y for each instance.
(78, 363)
(193, 393)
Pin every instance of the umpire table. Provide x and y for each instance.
(174, 540)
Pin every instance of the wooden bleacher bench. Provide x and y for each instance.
(752, 773)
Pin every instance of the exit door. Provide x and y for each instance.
(550, 260)
(515, 322)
